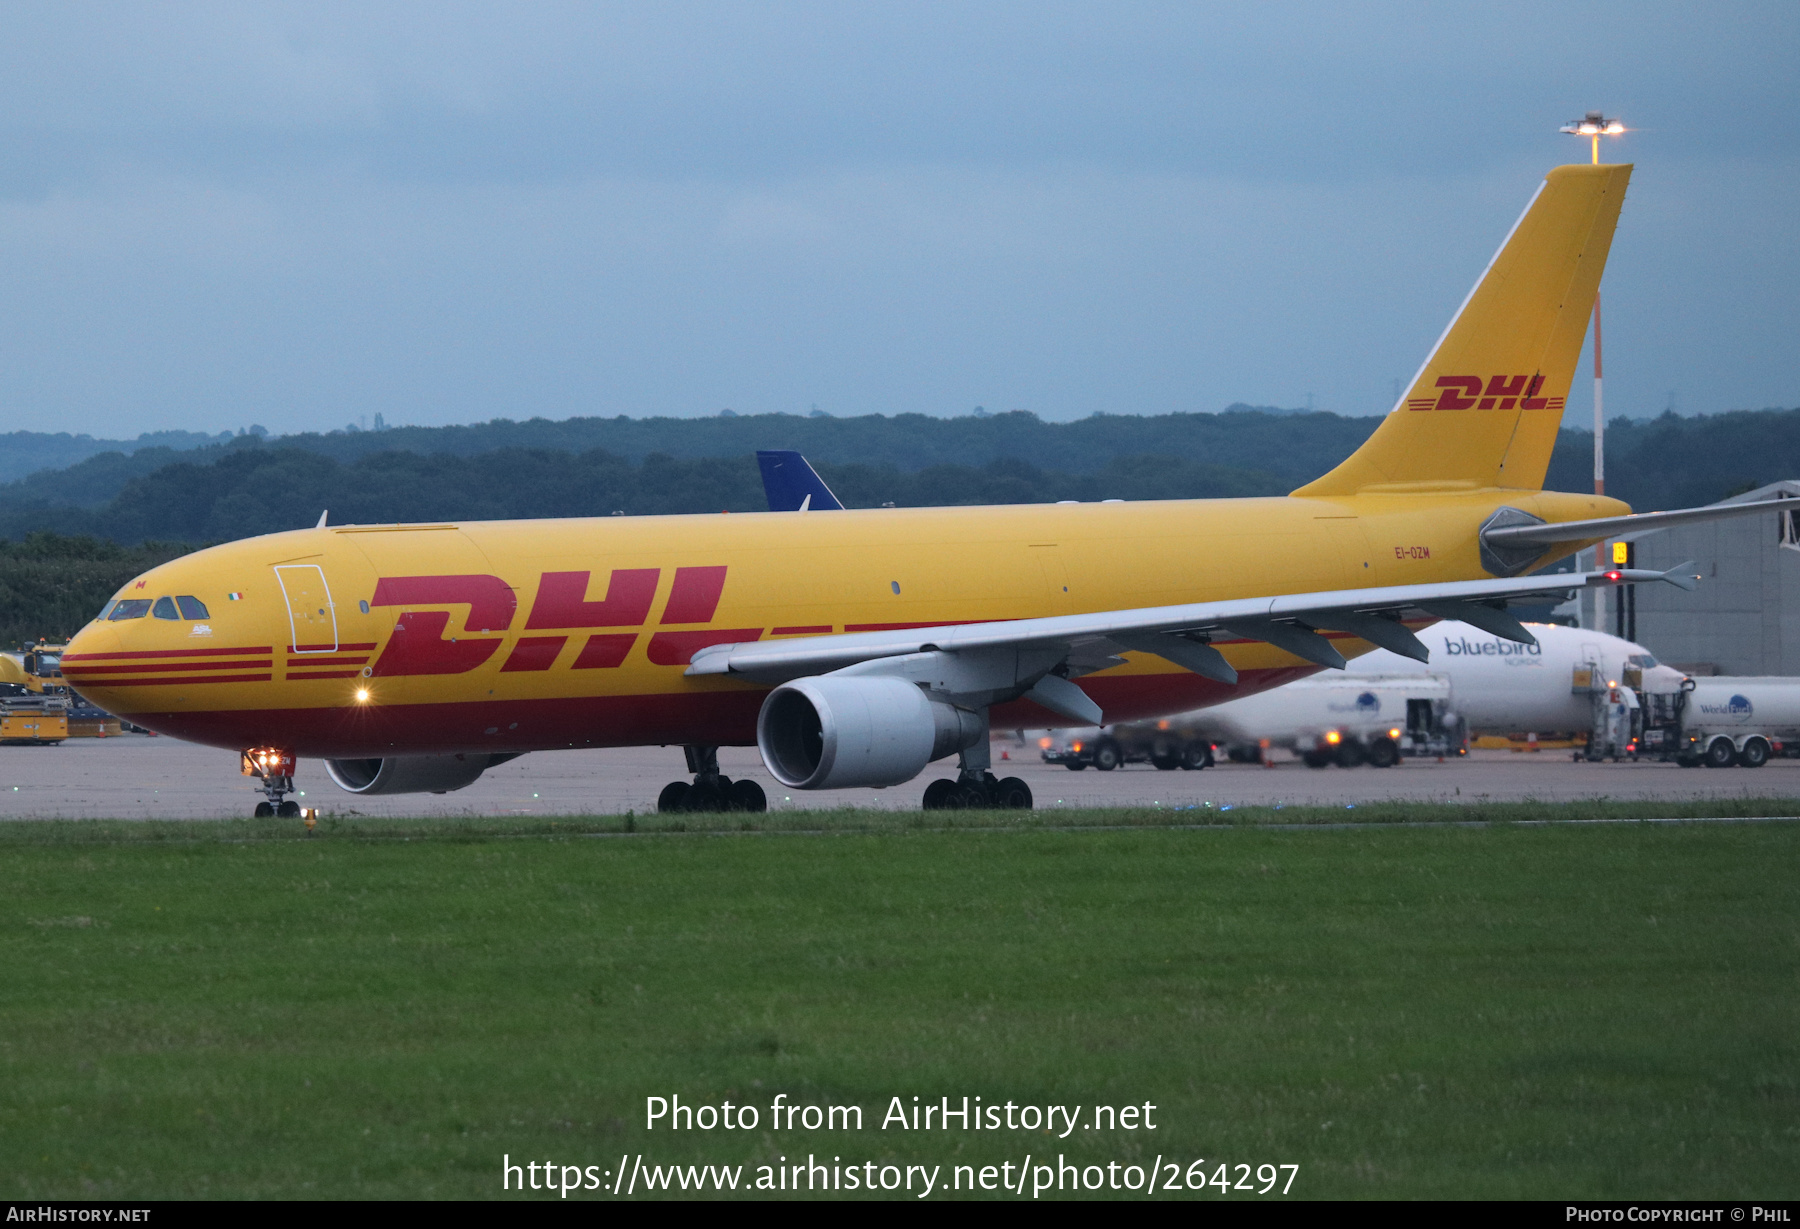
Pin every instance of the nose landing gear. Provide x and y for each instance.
(710, 790)
(275, 768)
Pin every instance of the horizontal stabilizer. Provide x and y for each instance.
(1547, 534)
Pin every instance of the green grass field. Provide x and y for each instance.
(385, 1008)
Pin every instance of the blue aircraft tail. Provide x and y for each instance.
(789, 481)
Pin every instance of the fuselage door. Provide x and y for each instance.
(312, 619)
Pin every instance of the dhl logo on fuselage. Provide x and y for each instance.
(1495, 393)
(418, 645)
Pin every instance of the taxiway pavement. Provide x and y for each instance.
(139, 777)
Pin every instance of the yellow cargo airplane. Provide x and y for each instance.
(855, 647)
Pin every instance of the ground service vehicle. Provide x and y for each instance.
(1743, 721)
(36, 706)
(855, 647)
(1144, 742)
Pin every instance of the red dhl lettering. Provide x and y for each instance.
(419, 644)
(561, 599)
(1502, 392)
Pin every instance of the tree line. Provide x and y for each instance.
(71, 537)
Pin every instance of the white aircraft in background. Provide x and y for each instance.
(1383, 705)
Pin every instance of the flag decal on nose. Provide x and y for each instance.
(234, 597)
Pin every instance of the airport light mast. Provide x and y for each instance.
(1593, 126)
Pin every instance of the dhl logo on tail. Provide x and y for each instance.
(1496, 393)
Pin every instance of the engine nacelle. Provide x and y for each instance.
(837, 733)
(410, 774)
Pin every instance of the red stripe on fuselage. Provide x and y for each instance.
(251, 651)
(723, 718)
(88, 671)
(182, 679)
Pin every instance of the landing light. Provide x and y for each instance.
(362, 695)
(1334, 738)
(1394, 733)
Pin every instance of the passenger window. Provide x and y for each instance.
(130, 608)
(192, 607)
(164, 608)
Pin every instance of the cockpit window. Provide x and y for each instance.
(1643, 660)
(192, 607)
(164, 608)
(129, 608)
(106, 611)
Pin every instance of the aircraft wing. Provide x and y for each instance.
(989, 662)
(792, 485)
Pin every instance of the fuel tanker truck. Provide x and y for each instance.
(1742, 721)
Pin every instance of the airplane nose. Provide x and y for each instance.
(97, 641)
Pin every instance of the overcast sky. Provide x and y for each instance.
(303, 214)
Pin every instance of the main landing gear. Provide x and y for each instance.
(975, 788)
(275, 769)
(710, 791)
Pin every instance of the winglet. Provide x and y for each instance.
(322, 517)
(1683, 576)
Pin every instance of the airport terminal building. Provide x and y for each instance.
(1745, 617)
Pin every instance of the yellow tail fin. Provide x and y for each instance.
(1484, 409)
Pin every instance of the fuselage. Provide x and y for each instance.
(514, 636)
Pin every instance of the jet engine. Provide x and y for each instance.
(410, 774)
(836, 733)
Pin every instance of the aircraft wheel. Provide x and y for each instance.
(674, 797)
(288, 810)
(1012, 794)
(937, 793)
(1755, 754)
(1720, 754)
(1195, 756)
(747, 795)
(707, 795)
(1350, 753)
(1383, 753)
(1106, 756)
(1074, 765)
(264, 811)
(1167, 763)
